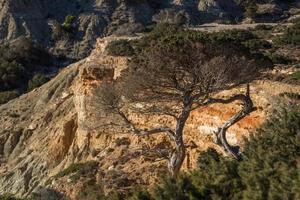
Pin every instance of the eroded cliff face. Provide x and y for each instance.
(46, 130)
(95, 18)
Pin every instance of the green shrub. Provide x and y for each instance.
(295, 75)
(172, 33)
(263, 27)
(11, 75)
(251, 10)
(257, 44)
(120, 48)
(77, 168)
(37, 81)
(25, 52)
(234, 35)
(68, 23)
(11, 197)
(294, 96)
(65, 30)
(7, 96)
(270, 168)
(279, 59)
(291, 35)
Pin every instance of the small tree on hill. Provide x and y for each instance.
(173, 78)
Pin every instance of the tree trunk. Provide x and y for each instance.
(177, 157)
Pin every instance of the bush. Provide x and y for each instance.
(295, 75)
(120, 48)
(294, 96)
(279, 59)
(257, 44)
(37, 81)
(173, 33)
(11, 75)
(251, 10)
(68, 24)
(65, 30)
(11, 197)
(25, 52)
(270, 168)
(78, 169)
(7, 96)
(263, 27)
(291, 35)
(234, 35)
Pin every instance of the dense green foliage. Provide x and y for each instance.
(37, 81)
(8, 95)
(270, 168)
(291, 35)
(295, 75)
(279, 59)
(20, 61)
(293, 96)
(257, 44)
(120, 48)
(11, 75)
(68, 23)
(244, 40)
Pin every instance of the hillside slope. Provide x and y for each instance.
(44, 21)
(46, 130)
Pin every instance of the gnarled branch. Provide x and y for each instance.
(220, 134)
(246, 109)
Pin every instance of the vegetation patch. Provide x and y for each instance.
(294, 96)
(270, 168)
(11, 197)
(257, 44)
(291, 36)
(21, 61)
(295, 75)
(279, 59)
(120, 48)
(37, 81)
(7, 96)
(78, 169)
(11, 75)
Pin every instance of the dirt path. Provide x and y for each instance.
(214, 27)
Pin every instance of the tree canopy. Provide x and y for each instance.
(175, 75)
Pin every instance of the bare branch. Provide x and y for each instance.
(221, 133)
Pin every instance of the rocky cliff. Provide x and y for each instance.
(42, 20)
(46, 130)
